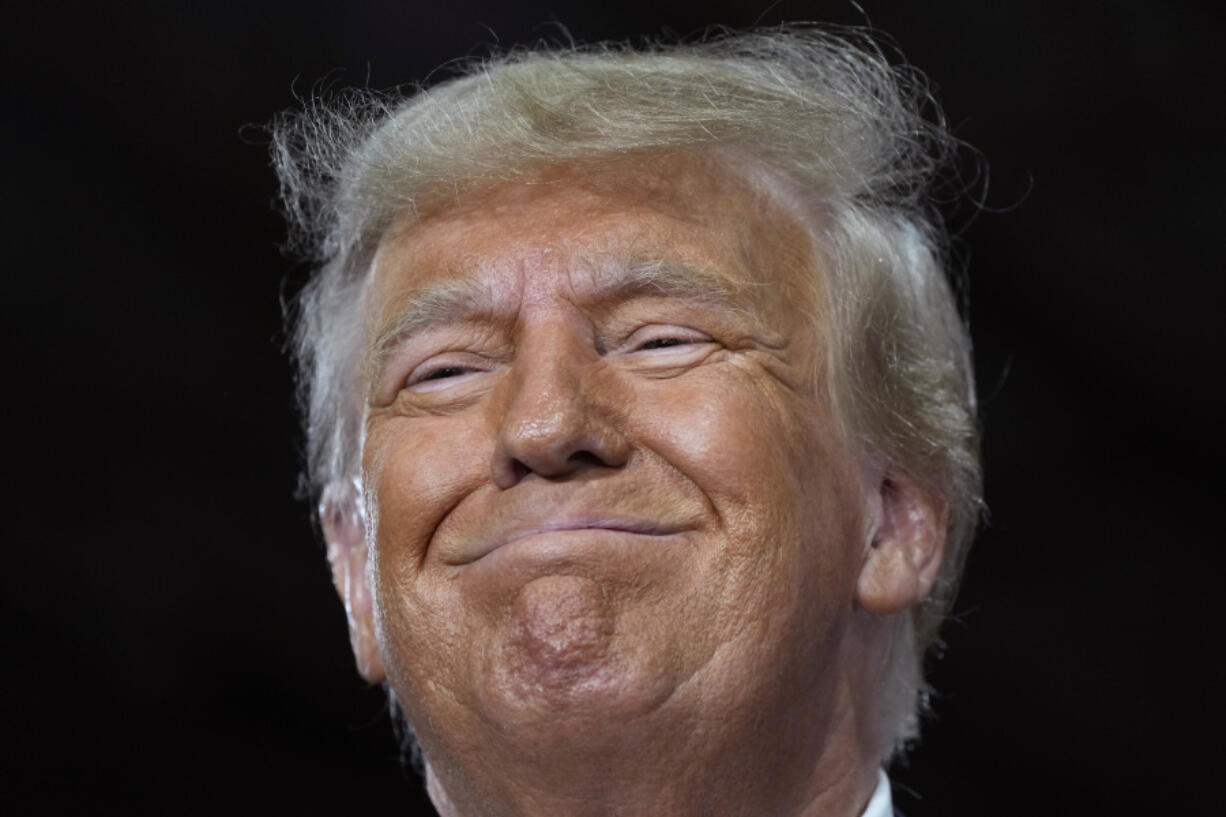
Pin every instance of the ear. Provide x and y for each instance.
(906, 541)
(345, 534)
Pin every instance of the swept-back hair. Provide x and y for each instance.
(819, 117)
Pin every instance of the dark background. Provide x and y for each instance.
(171, 641)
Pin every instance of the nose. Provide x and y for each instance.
(559, 412)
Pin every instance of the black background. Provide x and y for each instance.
(171, 641)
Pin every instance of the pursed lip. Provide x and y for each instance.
(485, 545)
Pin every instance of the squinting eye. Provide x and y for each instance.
(666, 338)
(445, 371)
(430, 377)
(663, 343)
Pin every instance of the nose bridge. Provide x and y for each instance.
(554, 417)
(551, 366)
(547, 382)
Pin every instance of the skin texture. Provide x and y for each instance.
(614, 557)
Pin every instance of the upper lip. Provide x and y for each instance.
(495, 537)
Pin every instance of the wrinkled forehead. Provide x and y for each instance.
(684, 224)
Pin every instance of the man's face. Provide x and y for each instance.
(602, 475)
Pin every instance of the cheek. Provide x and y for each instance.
(769, 462)
(419, 468)
(416, 471)
(732, 434)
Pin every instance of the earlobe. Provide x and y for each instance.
(905, 547)
(345, 535)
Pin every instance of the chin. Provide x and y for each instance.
(561, 656)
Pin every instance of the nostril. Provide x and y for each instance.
(508, 471)
(586, 458)
(519, 470)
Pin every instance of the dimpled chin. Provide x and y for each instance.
(560, 633)
(558, 656)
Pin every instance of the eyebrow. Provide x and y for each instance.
(466, 297)
(439, 303)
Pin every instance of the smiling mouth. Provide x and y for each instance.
(556, 532)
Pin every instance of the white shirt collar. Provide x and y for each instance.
(880, 804)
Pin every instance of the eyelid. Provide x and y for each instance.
(419, 377)
(654, 332)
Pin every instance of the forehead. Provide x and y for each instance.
(582, 226)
